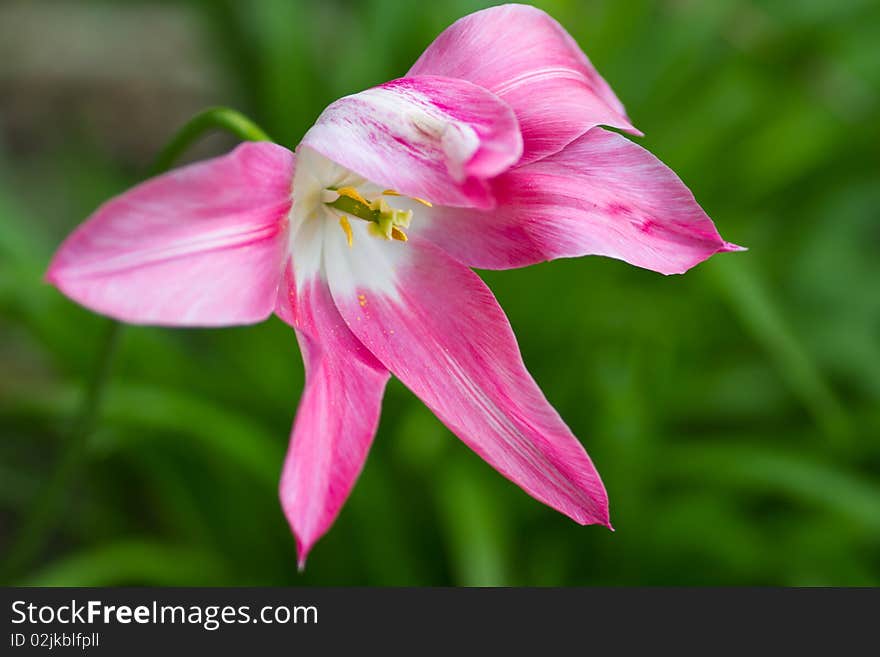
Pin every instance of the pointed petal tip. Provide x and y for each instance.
(52, 273)
(726, 247)
(596, 513)
(303, 545)
(57, 276)
(302, 553)
(592, 518)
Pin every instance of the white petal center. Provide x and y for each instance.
(326, 241)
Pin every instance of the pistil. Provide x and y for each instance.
(385, 221)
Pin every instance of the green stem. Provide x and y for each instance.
(45, 510)
(213, 118)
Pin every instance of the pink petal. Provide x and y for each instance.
(443, 334)
(601, 195)
(337, 417)
(528, 59)
(430, 137)
(202, 245)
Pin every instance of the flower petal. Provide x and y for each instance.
(442, 333)
(601, 195)
(202, 245)
(429, 137)
(338, 412)
(528, 59)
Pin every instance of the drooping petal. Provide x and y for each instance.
(441, 332)
(202, 245)
(430, 137)
(601, 195)
(338, 412)
(528, 59)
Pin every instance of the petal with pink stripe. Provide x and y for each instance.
(442, 333)
(600, 195)
(202, 245)
(338, 412)
(430, 137)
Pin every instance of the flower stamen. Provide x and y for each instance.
(346, 228)
(352, 193)
(391, 192)
(385, 221)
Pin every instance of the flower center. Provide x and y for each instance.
(385, 221)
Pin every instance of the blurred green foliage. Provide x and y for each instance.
(733, 411)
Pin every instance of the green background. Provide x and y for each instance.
(733, 411)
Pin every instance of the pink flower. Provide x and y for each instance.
(486, 154)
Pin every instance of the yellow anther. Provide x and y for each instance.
(353, 194)
(382, 219)
(391, 192)
(346, 228)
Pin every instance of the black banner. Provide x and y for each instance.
(229, 621)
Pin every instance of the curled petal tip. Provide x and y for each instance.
(728, 247)
(433, 137)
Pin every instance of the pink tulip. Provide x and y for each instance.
(486, 154)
